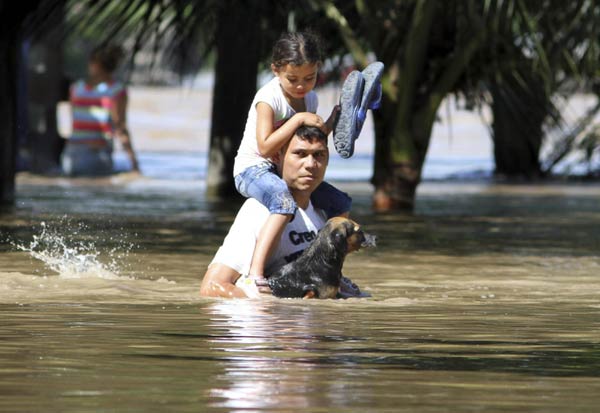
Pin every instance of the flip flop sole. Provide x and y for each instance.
(372, 91)
(346, 128)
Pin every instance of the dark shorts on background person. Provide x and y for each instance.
(79, 159)
(262, 183)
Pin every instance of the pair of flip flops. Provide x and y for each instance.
(361, 91)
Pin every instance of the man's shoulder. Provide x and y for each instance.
(238, 246)
(252, 205)
(255, 212)
(252, 212)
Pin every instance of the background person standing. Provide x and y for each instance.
(99, 107)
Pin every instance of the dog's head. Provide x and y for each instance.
(348, 236)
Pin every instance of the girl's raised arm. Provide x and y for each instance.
(268, 139)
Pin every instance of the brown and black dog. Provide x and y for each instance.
(318, 270)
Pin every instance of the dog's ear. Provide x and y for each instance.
(340, 237)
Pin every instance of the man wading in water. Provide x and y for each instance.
(302, 164)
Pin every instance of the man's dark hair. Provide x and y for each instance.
(311, 133)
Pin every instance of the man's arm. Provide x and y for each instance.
(119, 117)
(234, 256)
(219, 281)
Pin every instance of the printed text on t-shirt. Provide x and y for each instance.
(300, 237)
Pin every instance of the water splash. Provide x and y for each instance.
(73, 258)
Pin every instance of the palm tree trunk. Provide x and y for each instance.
(45, 88)
(237, 45)
(518, 114)
(400, 150)
(13, 99)
(9, 55)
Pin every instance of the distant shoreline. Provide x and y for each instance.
(168, 119)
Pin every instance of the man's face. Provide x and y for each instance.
(304, 164)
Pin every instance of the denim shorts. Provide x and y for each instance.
(262, 183)
(83, 160)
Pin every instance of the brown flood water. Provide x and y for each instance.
(486, 299)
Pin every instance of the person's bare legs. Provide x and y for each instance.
(267, 241)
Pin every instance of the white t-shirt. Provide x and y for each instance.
(272, 95)
(238, 246)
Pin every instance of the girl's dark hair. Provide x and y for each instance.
(107, 56)
(297, 49)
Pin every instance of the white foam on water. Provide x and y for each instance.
(79, 269)
(74, 259)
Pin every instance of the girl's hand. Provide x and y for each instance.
(334, 114)
(312, 119)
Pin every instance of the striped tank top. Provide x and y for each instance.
(91, 106)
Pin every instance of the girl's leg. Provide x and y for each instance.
(267, 241)
(263, 184)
